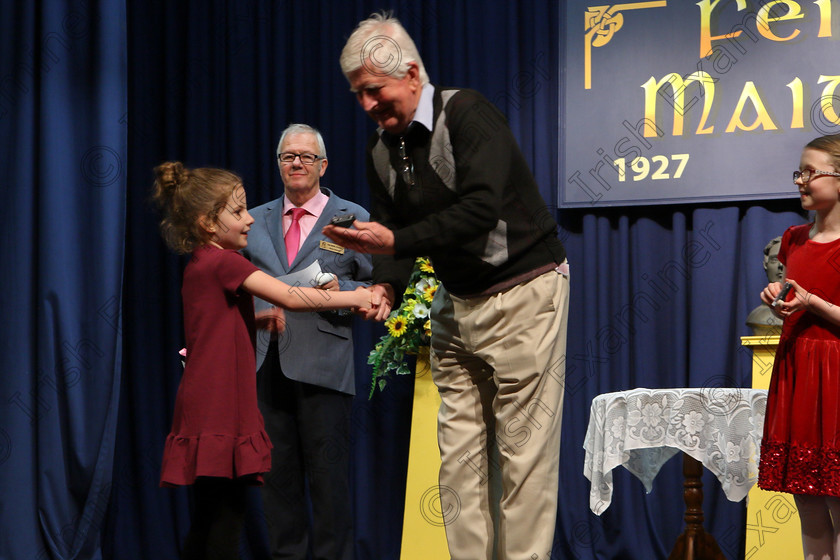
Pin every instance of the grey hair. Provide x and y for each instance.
(383, 46)
(298, 128)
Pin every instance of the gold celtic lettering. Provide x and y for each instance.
(601, 23)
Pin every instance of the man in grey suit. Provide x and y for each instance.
(305, 379)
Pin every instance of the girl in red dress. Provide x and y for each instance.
(800, 450)
(218, 443)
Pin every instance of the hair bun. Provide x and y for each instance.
(170, 176)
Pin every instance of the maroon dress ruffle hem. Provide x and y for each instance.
(218, 455)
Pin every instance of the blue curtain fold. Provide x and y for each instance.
(660, 299)
(93, 95)
(64, 150)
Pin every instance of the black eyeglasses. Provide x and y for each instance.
(408, 166)
(306, 159)
(807, 175)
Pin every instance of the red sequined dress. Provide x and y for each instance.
(800, 450)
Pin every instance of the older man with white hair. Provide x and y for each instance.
(448, 181)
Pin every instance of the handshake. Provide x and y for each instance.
(370, 302)
(381, 302)
(380, 297)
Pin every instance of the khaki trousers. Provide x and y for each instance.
(499, 365)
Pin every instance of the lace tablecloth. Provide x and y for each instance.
(642, 428)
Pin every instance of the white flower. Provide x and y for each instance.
(426, 288)
(652, 414)
(421, 310)
(733, 452)
(423, 284)
(693, 422)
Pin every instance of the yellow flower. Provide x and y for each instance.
(429, 291)
(427, 327)
(408, 306)
(397, 326)
(425, 265)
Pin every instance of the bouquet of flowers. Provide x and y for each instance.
(409, 327)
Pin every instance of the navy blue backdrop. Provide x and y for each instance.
(94, 94)
(64, 151)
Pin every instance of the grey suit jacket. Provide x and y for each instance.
(316, 348)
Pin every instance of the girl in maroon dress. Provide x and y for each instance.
(217, 442)
(800, 451)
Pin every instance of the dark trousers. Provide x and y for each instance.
(309, 428)
(217, 520)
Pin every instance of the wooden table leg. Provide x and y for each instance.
(694, 543)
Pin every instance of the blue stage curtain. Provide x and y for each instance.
(63, 137)
(660, 299)
(93, 95)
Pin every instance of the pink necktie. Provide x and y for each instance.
(293, 235)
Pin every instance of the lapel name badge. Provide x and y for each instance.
(332, 247)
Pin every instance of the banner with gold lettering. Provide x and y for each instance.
(668, 101)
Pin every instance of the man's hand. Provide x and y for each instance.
(271, 320)
(382, 300)
(367, 237)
